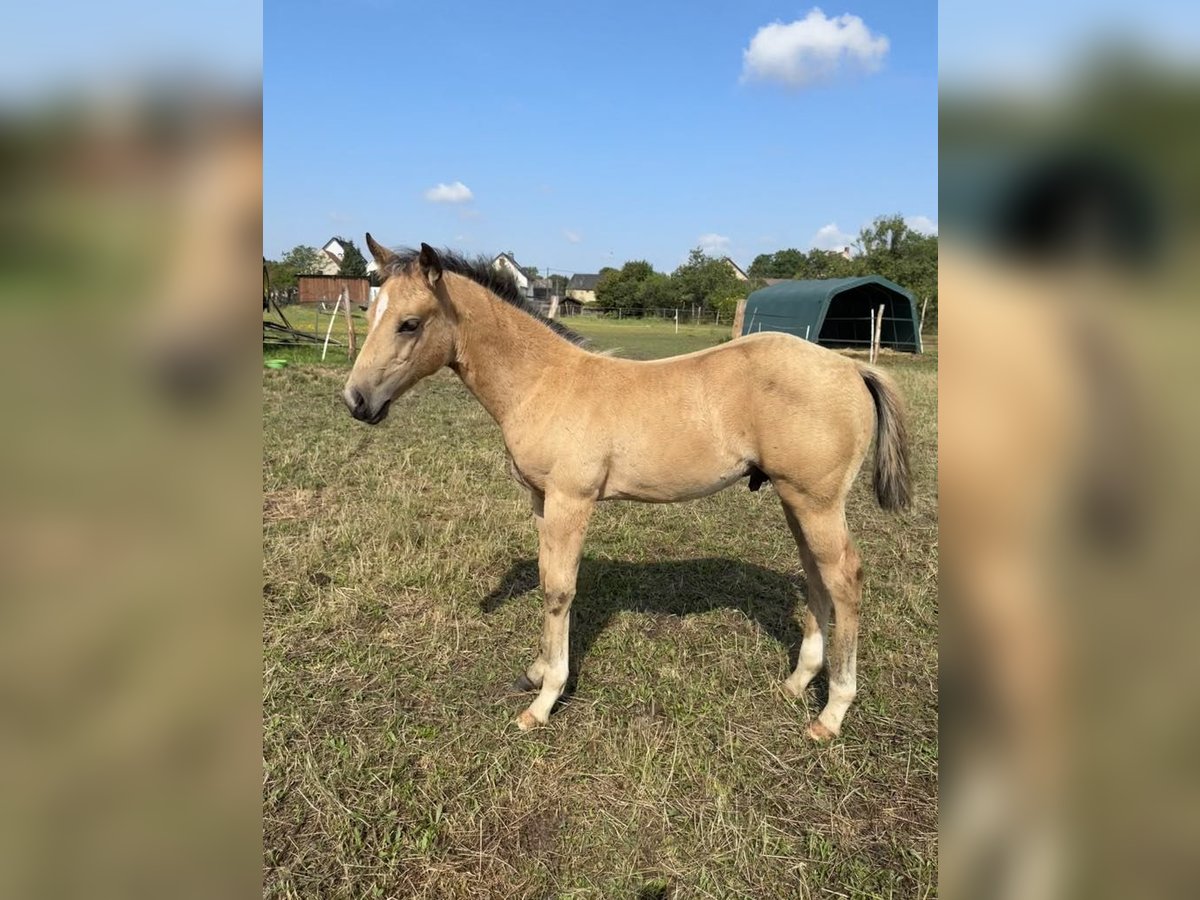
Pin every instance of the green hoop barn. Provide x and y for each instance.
(836, 312)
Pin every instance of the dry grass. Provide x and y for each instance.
(400, 598)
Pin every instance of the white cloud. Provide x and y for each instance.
(573, 237)
(713, 244)
(923, 224)
(830, 237)
(813, 49)
(449, 193)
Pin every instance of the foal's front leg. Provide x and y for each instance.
(561, 528)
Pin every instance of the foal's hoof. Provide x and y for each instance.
(526, 721)
(523, 685)
(818, 732)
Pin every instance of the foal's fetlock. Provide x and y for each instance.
(523, 684)
(796, 686)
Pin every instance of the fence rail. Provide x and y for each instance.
(687, 315)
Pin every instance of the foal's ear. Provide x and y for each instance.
(431, 264)
(383, 256)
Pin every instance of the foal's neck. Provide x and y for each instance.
(502, 353)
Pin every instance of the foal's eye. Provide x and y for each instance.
(409, 325)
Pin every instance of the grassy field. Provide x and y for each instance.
(400, 595)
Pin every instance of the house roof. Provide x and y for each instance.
(512, 262)
(336, 242)
(583, 282)
(736, 268)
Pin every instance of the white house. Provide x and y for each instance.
(505, 263)
(333, 252)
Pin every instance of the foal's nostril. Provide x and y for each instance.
(355, 402)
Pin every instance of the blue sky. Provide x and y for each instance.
(80, 46)
(993, 45)
(590, 134)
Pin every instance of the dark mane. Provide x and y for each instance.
(480, 270)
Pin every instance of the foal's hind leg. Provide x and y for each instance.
(560, 531)
(841, 573)
(839, 569)
(816, 616)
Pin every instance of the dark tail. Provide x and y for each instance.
(892, 487)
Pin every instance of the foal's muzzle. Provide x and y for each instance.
(357, 404)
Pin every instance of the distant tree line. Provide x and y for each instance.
(886, 247)
(703, 281)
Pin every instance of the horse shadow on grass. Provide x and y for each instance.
(675, 588)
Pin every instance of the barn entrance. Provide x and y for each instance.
(848, 318)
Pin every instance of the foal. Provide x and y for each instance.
(580, 428)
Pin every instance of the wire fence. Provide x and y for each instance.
(844, 331)
(685, 316)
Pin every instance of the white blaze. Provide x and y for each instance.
(380, 308)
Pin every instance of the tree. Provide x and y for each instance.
(558, 284)
(888, 247)
(887, 234)
(830, 264)
(707, 281)
(282, 279)
(659, 291)
(354, 264)
(300, 260)
(622, 288)
(304, 260)
(780, 264)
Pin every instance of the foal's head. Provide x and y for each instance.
(411, 332)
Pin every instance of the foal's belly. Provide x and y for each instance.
(687, 483)
(676, 453)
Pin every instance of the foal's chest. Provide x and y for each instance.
(518, 476)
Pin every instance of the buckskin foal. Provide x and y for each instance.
(581, 427)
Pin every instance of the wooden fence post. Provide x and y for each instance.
(739, 318)
(878, 336)
(351, 343)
